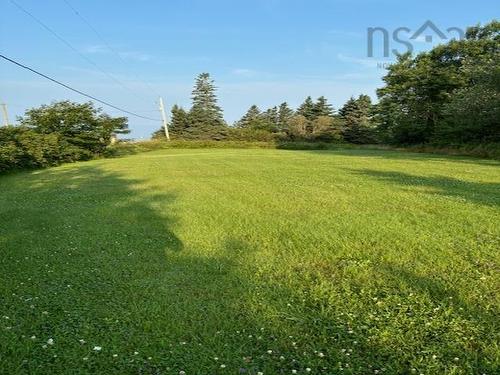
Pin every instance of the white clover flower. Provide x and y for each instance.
(294, 371)
(115, 355)
(260, 373)
(269, 352)
(97, 348)
(182, 372)
(308, 369)
(81, 341)
(320, 354)
(222, 366)
(135, 353)
(50, 341)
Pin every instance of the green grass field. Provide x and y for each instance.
(252, 261)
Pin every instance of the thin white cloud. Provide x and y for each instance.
(126, 55)
(138, 56)
(96, 48)
(244, 72)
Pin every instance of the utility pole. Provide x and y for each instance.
(5, 114)
(164, 118)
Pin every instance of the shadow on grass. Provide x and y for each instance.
(101, 256)
(438, 291)
(80, 247)
(388, 154)
(474, 192)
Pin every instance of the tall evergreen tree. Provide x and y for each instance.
(306, 109)
(180, 121)
(357, 118)
(271, 118)
(322, 108)
(250, 118)
(205, 114)
(285, 113)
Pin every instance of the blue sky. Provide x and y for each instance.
(259, 52)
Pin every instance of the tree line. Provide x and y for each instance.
(313, 120)
(447, 96)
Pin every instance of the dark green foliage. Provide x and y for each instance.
(285, 113)
(21, 147)
(254, 120)
(356, 115)
(204, 120)
(271, 119)
(322, 108)
(80, 125)
(56, 133)
(180, 121)
(205, 114)
(307, 109)
(251, 118)
(473, 113)
(443, 95)
(179, 126)
(318, 118)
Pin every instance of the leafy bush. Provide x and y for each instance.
(57, 133)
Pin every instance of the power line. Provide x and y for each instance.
(70, 46)
(75, 90)
(107, 45)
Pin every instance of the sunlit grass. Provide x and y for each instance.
(252, 261)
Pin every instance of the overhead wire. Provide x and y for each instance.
(108, 45)
(76, 90)
(70, 46)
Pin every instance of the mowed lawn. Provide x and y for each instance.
(252, 261)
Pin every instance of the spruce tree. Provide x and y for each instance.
(205, 114)
(249, 119)
(180, 123)
(285, 113)
(322, 108)
(270, 118)
(356, 116)
(306, 109)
